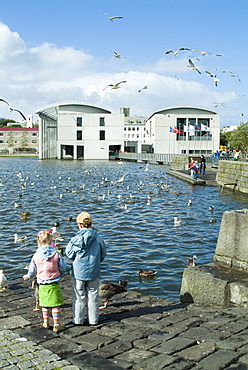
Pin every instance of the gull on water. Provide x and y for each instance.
(112, 18)
(177, 221)
(116, 86)
(19, 239)
(193, 67)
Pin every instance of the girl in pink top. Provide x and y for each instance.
(47, 264)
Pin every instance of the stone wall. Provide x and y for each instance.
(232, 172)
(180, 163)
(223, 282)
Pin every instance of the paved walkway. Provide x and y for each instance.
(135, 332)
(206, 180)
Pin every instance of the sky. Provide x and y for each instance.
(60, 50)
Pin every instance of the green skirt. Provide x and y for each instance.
(50, 295)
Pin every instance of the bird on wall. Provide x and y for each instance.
(175, 52)
(112, 18)
(191, 261)
(3, 281)
(116, 86)
(16, 110)
(116, 55)
(193, 67)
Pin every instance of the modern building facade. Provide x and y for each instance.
(14, 139)
(135, 134)
(184, 130)
(79, 130)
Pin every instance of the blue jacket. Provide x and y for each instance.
(87, 250)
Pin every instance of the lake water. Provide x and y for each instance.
(141, 236)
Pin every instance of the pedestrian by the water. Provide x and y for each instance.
(203, 165)
(87, 250)
(196, 170)
(48, 265)
(191, 166)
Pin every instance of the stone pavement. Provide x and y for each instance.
(206, 180)
(135, 332)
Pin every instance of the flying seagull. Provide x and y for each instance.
(175, 52)
(210, 74)
(143, 88)
(112, 18)
(193, 67)
(116, 55)
(203, 53)
(116, 86)
(232, 74)
(16, 110)
(217, 104)
(4, 101)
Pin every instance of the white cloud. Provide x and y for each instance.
(34, 77)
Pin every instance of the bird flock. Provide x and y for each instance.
(120, 198)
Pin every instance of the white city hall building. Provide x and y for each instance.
(184, 130)
(79, 130)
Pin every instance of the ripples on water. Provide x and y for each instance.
(142, 236)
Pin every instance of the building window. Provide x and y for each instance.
(1, 141)
(34, 141)
(125, 128)
(79, 135)
(1, 134)
(137, 128)
(137, 136)
(129, 128)
(102, 135)
(34, 134)
(79, 122)
(133, 128)
(102, 122)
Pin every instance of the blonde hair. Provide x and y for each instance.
(84, 219)
(44, 237)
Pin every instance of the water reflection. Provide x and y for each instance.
(141, 236)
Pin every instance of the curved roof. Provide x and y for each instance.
(52, 110)
(182, 107)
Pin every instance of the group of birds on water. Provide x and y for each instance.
(107, 290)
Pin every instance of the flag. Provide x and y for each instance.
(191, 130)
(197, 128)
(204, 128)
(175, 130)
(186, 128)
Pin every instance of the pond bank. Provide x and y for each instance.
(134, 332)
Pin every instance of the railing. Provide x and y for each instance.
(146, 157)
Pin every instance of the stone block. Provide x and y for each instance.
(13, 322)
(232, 239)
(202, 287)
(92, 361)
(239, 294)
(218, 360)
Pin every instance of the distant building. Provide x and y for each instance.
(229, 129)
(14, 139)
(135, 134)
(183, 130)
(75, 129)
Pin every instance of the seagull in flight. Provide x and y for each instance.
(116, 55)
(193, 67)
(217, 104)
(4, 101)
(232, 74)
(175, 52)
(210, 74)
(203, 53)
(143, 88)
(116, 86)
(16, 110)
(112, 18)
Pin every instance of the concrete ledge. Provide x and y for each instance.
(185, 177)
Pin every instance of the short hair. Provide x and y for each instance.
(44, 237)
(84, 219)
